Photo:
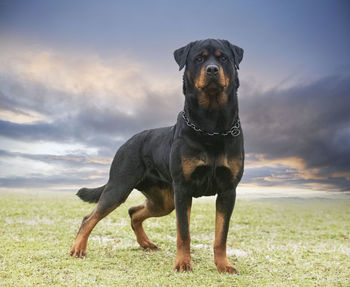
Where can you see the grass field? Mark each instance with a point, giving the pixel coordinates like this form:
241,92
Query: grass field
272,243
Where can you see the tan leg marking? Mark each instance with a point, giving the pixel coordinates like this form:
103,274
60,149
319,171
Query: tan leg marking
147,210
80,243
220,259
183,254
136,223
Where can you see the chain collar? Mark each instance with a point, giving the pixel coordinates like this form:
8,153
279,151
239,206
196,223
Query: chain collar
233,131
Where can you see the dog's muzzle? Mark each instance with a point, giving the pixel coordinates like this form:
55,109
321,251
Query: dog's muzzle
212,71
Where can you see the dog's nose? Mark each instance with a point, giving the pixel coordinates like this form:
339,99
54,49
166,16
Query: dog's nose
212,70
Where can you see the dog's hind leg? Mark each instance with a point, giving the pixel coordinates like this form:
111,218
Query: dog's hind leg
126,171
159,202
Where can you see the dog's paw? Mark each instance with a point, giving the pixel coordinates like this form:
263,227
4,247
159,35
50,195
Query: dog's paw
78,250
149,245
226,268
182,264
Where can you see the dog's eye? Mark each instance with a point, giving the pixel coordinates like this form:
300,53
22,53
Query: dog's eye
223,58
199,59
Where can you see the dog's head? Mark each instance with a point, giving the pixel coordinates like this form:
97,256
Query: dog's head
211,71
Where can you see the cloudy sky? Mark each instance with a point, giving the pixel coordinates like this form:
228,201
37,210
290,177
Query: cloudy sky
78,78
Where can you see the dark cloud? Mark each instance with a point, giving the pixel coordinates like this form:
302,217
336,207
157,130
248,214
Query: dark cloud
66,171
311,122
80,118
74,181
70,160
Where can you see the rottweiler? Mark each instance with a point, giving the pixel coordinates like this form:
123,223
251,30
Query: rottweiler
201,155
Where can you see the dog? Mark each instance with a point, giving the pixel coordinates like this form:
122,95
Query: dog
201,155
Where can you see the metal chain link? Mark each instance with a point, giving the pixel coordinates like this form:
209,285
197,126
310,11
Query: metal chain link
234,130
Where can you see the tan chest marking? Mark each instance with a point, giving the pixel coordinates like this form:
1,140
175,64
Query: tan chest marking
189,164
233,164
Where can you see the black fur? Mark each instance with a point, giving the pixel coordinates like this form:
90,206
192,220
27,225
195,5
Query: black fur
173,164
91,195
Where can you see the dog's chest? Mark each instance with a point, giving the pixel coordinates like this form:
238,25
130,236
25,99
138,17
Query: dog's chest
209,175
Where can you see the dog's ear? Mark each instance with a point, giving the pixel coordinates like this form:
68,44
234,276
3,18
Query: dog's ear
237,53
181,54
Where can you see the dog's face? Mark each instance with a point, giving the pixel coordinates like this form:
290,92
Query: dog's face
211,70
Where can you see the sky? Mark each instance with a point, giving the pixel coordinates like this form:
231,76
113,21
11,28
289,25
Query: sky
78,78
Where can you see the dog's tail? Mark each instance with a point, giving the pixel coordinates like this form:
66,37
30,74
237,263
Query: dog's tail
90,194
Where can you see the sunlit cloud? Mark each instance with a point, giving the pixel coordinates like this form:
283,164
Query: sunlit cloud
77,80
22,117
292,165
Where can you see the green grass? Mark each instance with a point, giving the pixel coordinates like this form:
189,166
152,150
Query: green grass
272,243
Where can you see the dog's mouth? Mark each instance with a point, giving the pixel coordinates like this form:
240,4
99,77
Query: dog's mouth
213,87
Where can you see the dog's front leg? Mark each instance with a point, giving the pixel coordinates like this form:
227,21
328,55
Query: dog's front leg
183,204
224,206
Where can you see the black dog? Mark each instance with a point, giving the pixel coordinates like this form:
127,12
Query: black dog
201,155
